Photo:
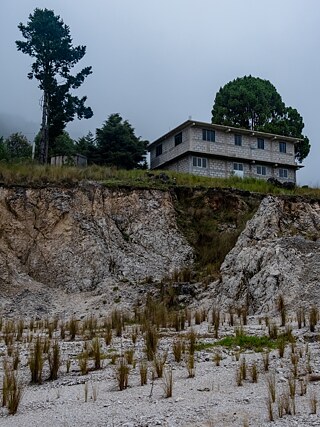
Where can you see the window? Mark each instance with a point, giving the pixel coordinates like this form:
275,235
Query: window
283,173
237,166
238,139
158,150
178,139
261,143
261,170
282,147
199,162
208,135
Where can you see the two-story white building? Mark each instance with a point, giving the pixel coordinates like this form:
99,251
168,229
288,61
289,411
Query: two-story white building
222,151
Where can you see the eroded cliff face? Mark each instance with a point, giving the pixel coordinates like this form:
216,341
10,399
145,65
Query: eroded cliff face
83,238
60,247
277,253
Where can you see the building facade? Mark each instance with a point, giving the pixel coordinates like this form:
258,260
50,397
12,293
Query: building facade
223,151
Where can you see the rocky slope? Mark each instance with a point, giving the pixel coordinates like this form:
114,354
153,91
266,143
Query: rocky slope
84,239
277,253
60,247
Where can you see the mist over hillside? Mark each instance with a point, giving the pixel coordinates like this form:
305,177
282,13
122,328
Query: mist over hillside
10,123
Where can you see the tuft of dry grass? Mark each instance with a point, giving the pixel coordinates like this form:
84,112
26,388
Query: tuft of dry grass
122,374
168,382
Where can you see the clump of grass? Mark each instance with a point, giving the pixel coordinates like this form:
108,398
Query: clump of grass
143,370
273,330
83,362
243,368
151,338
168,382
269,407
177,350
122,374
217,357
54,361
313,402
11,390
300,316
254,372
159,362
281,344
36,362
239,377
282,309
73,327
96,352
129,354
266,360
313,318
271,383
191,366
292,386
108,334
192,341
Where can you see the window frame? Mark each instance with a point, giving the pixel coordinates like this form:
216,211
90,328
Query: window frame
237,168
178,139
262,169
199,162
283,173
238,139
158,150
282,147
260,143
209,135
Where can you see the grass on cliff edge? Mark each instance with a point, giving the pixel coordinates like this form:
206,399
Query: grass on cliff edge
34,174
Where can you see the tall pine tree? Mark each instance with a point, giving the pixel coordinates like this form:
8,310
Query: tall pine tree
48,40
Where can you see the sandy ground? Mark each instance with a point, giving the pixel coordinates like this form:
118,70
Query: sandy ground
211,398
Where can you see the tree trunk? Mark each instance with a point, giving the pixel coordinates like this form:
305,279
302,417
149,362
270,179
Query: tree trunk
44,141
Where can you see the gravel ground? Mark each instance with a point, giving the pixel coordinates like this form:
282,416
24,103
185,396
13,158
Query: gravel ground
211,398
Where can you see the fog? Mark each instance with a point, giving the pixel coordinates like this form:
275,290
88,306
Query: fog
158,62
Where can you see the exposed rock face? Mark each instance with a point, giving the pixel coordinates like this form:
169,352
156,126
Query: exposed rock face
82,238
277,253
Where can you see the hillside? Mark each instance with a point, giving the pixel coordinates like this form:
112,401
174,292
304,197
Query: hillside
61,245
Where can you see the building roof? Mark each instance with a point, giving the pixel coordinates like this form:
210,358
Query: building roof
223,128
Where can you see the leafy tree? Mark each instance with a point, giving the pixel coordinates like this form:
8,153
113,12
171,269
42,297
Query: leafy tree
63,145
117,144
253,103
48,40
3,149
17,147
87,147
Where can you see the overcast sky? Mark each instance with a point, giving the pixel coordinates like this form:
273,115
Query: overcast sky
157,62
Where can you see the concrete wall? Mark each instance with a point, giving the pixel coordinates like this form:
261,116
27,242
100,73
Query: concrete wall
224,145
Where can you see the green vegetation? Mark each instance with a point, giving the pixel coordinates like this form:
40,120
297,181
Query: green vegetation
34,174
48,41
253,103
